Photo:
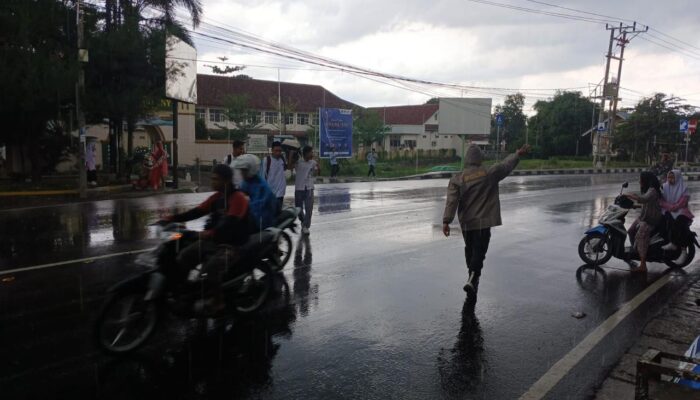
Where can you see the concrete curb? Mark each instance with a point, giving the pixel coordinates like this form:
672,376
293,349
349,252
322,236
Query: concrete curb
97,192
523,172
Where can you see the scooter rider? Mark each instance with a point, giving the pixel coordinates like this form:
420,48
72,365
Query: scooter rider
263,204
228,224
473,193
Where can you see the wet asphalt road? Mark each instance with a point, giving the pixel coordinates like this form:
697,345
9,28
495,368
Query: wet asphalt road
373,305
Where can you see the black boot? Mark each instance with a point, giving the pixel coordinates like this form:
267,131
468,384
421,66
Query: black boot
472,287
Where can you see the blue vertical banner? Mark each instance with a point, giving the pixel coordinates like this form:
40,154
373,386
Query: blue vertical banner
335,132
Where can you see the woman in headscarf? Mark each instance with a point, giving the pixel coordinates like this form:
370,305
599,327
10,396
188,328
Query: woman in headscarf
675,207
159,169
650,218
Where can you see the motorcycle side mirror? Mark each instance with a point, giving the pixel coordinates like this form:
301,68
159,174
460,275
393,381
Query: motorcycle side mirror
625,185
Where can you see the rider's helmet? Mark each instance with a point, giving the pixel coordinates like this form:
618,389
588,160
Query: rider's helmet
249,165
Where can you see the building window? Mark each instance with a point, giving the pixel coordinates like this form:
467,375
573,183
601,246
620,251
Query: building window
201,113
216,115
253,118
394,142
271,117
410,143
302,119
424,136
289,119
314,119
434,144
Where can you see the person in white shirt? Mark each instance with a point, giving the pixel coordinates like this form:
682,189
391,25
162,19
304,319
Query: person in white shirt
238,150
372,162
272,168
333,159
305,170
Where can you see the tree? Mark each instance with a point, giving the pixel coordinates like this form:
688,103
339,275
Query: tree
38,71
514,127
286,106
559,123
237,110
368,127
433,100
125,77
653,127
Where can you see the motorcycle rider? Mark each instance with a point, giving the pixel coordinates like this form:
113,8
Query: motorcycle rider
650,218
228,224
473,193
675,208
263,204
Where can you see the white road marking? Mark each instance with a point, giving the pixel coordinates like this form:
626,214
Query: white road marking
559,370
79,260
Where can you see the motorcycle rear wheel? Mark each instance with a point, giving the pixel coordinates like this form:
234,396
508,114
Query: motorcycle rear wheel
682,263
595,249
125,322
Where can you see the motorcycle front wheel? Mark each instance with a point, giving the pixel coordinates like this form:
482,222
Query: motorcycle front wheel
594,249
284,250
126,321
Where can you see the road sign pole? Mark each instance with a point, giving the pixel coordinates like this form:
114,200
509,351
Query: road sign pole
498,142
687,142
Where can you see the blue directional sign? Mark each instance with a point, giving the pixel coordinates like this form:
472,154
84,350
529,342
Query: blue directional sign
684,125
499,119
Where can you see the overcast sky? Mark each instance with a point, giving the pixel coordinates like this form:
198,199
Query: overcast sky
459,41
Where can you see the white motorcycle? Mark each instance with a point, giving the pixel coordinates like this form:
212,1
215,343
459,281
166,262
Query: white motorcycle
607,240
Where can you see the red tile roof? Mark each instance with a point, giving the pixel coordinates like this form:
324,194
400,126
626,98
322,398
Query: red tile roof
406,115
213,89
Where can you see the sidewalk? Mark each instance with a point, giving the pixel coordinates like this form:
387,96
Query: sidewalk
672,331
37,198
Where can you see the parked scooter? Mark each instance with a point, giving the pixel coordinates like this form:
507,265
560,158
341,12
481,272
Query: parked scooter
134,306
607,240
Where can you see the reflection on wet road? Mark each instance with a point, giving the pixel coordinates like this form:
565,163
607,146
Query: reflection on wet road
370,306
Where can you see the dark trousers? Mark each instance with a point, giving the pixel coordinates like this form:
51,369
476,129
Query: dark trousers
280,204
334,170
678,230
476,244
304,199
215,261
92,175
371,171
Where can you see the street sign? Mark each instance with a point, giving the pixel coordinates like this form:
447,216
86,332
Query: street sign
692,125
684,125
601,126
499,119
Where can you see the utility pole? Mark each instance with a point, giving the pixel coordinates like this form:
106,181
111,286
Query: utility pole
79,91
601,117
622,41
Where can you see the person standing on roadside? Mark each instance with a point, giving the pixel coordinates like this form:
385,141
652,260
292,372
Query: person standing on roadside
305,169
273,167
473,193
91,164
372,162
237,151
333,159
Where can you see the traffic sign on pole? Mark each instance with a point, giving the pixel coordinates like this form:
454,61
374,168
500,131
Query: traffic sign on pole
692,125
683,126
499,119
